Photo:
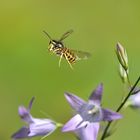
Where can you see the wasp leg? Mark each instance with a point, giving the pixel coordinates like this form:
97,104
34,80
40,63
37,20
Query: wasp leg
60,59
69,62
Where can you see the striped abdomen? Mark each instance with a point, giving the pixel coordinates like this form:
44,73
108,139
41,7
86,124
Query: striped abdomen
69,55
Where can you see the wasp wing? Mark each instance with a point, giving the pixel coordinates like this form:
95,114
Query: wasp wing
65,35
81,54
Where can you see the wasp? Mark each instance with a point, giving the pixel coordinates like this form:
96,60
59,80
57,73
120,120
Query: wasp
57,47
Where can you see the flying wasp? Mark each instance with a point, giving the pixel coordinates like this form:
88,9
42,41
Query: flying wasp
58,48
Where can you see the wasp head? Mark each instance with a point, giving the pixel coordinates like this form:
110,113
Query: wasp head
55,45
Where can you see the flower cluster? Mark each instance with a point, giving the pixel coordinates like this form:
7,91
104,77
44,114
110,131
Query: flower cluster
85,123
88,114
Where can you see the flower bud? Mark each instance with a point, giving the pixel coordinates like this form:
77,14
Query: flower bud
123,74
122,56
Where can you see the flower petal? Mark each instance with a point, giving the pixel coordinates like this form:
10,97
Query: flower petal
134,100
25,114
30,104
73,124
96,95
41,127
21,133
74,101
89,132
109,115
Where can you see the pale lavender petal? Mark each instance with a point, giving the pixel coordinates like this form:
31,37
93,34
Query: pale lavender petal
74,101
73,124
41,127
96,95
82,124
25,114
30,104
21,133
134,100
109,115
90,132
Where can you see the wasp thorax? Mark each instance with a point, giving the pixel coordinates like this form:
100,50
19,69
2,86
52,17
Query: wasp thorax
90,112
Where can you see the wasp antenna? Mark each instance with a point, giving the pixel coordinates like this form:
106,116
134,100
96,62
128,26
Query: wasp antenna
47,35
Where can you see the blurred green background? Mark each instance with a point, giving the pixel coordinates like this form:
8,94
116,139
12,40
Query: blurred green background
27,69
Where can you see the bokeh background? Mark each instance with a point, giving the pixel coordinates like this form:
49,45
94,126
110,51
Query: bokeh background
27,69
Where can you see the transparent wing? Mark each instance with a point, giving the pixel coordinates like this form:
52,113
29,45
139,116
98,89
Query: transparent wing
65,35
81,54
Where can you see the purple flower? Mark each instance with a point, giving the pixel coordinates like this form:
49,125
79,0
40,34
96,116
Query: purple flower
88,115
134,100
35,127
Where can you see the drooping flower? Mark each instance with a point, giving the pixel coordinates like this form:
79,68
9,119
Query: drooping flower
134,100
88,115
35,126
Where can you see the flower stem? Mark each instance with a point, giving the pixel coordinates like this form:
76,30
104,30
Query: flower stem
128,78
119,108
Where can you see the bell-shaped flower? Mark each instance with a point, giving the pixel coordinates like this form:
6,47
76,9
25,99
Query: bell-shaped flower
134,100
35,126
88,115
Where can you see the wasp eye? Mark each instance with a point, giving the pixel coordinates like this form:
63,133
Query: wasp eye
60,45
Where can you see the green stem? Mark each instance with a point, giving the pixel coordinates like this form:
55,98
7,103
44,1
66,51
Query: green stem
119,108
128,79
